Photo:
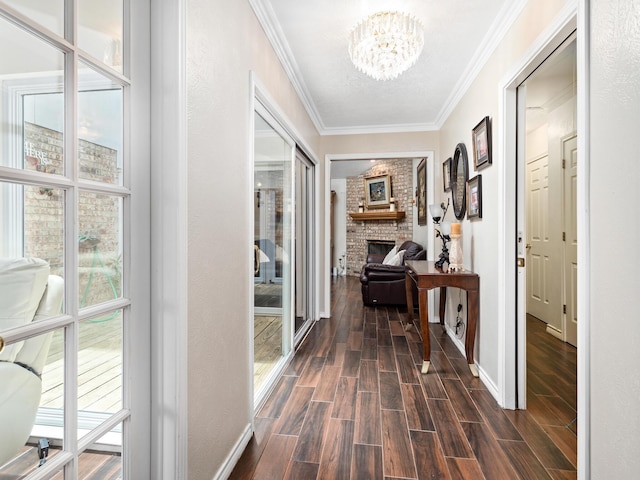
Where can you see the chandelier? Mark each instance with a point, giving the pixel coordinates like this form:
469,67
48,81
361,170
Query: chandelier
386,44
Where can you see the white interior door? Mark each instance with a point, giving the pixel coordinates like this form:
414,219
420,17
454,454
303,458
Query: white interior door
570,158
543,268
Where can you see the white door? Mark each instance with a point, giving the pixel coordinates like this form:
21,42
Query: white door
570,161
543,267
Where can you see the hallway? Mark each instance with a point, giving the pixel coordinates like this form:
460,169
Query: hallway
353,404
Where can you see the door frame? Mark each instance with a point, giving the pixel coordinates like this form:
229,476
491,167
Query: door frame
326,270
511,292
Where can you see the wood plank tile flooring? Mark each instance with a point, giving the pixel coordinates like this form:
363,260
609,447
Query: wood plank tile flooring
353,404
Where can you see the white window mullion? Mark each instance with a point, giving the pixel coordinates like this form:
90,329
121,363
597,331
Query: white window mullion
71,243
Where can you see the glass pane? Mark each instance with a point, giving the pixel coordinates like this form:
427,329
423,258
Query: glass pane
32,223
100,248
100,30
31,400
99,128
272,240
31,244
33,108
48,13
99,370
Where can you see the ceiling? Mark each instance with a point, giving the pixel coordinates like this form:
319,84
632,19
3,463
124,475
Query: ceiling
311,40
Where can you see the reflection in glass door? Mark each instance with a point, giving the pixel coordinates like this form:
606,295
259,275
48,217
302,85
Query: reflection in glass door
304,215
273,157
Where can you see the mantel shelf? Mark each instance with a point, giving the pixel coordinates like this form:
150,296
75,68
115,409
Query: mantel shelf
381,215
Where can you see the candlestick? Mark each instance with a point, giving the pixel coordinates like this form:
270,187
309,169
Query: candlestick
455,255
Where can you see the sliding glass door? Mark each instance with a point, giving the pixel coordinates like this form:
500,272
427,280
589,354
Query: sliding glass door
273,224
284,246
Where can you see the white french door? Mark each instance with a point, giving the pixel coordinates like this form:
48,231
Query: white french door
74,172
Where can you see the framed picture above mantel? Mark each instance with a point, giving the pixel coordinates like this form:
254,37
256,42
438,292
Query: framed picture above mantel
377,191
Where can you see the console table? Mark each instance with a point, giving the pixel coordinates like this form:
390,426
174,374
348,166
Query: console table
427,276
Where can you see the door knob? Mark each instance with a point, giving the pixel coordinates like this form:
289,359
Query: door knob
528,246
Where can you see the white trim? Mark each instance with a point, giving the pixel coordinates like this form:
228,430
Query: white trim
386,128
324,274
584,240
547,41
555,332
272,30
498,29
169,250
230,462
249,227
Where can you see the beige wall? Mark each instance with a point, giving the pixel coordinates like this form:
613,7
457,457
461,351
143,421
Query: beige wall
615,233
480,238
224,43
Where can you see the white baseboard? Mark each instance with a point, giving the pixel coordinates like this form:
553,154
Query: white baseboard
555,332
482,375
230,462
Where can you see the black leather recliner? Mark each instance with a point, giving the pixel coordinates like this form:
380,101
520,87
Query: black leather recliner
385,284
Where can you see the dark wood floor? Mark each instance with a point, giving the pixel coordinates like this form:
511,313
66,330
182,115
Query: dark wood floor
353,404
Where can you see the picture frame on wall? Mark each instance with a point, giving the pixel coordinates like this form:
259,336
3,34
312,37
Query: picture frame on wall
474,197
482,144
377,191
446,175
421,191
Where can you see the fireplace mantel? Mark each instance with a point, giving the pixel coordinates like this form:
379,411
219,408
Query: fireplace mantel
381,215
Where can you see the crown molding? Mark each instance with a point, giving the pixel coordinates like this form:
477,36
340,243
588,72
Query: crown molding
272,30
499,28
372,129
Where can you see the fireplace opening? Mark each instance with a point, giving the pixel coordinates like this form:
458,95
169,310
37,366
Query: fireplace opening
380,247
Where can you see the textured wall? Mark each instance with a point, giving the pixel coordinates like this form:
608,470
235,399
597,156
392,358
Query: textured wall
614,230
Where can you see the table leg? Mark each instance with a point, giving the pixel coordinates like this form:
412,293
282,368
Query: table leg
470,338
423,302
408,282
443,304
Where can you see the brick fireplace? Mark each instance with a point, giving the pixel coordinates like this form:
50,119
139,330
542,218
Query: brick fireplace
360,233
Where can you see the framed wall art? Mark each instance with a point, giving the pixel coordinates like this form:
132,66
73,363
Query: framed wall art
446,175
474,197
482,144
377,191
421,192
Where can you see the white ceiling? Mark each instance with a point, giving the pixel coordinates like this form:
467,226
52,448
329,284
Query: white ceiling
311,41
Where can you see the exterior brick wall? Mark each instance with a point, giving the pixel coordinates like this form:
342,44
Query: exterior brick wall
359,232
98,215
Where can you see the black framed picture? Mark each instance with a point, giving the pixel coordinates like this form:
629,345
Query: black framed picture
421,192
474,197
446,175
378,191
482,144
